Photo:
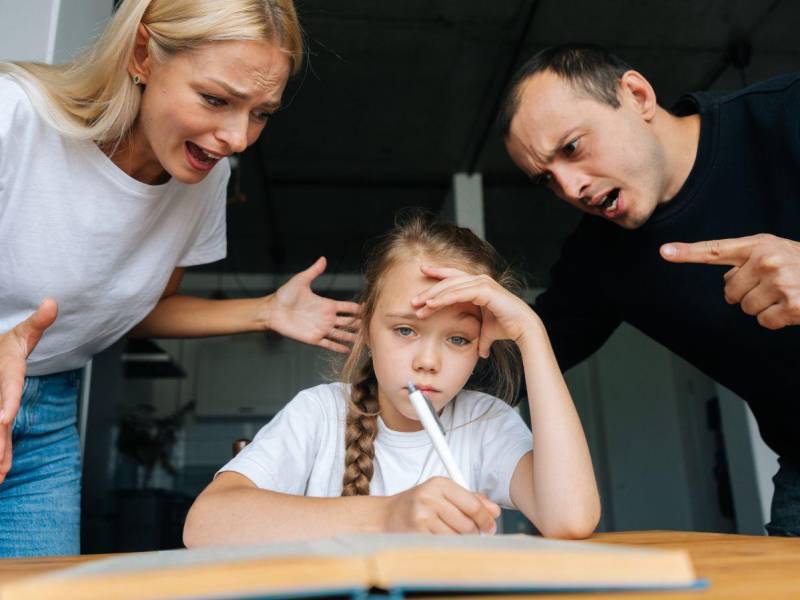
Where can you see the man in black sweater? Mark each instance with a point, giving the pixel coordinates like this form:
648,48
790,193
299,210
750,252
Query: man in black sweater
714,181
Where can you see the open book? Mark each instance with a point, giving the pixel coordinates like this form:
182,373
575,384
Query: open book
357,566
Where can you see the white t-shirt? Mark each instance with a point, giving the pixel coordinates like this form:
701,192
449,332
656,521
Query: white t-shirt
301,450
75,227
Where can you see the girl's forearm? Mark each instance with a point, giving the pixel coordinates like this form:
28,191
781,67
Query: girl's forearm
564,487
188,316
241,515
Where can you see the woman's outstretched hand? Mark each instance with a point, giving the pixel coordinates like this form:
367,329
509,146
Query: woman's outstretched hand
299,313
505,316
15,347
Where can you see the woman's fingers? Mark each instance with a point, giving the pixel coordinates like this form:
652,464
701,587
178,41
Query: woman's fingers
30,331
5,451
346,308
342,335
334,346
349,323
12,380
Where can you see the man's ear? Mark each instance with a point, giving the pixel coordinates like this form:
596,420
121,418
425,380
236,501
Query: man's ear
635,88
141,61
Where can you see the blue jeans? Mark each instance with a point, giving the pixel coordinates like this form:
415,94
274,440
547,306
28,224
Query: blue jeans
40,512
785,512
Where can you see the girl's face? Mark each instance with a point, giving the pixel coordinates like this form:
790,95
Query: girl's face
437,353
200,106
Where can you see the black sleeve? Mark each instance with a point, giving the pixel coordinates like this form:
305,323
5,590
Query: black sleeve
578,317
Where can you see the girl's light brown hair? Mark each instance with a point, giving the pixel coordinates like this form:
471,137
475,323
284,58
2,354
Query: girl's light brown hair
416,234
93,98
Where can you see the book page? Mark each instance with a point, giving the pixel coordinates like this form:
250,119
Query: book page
515,563
369,543
171,559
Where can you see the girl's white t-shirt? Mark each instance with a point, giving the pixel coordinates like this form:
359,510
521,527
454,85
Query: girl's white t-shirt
301,450
75,227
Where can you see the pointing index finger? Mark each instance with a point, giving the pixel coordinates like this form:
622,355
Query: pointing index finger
732,251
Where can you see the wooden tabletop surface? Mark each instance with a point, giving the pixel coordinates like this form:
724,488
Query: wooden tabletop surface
736,566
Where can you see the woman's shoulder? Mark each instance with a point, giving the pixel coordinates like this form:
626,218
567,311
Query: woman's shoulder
14,99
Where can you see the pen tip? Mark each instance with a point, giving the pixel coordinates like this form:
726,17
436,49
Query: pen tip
411,388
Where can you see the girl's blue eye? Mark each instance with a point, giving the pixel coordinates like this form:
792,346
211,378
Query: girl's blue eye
459,340
404,331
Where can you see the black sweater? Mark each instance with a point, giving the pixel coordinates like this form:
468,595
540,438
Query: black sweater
745,180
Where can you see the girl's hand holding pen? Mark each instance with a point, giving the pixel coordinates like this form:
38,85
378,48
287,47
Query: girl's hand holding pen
504,315
440,505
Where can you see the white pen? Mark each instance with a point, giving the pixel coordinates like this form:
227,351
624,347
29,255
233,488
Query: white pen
433,426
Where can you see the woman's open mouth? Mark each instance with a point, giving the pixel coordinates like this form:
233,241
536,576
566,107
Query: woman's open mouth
201,159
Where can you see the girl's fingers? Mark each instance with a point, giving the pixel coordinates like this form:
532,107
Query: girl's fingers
485,346
442,272
437,288
439,527
436,301
470,507
455,519
474,294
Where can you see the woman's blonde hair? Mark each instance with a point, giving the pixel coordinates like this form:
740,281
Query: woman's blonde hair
416,234
92,96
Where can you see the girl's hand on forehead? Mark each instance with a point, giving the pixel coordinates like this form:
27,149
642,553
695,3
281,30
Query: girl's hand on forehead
504,315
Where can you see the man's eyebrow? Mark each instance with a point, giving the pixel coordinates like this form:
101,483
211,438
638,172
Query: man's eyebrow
242,95
550,156
560,144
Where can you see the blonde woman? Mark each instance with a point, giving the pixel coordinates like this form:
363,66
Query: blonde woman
112,181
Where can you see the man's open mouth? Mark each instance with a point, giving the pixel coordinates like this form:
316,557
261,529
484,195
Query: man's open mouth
609,203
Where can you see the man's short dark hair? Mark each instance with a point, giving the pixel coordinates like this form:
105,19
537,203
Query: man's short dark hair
589,68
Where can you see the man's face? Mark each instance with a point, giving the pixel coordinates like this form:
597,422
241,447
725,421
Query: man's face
605,161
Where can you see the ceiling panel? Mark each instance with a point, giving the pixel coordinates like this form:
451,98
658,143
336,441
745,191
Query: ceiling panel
395,93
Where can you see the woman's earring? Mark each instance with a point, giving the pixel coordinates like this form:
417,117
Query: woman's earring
136,80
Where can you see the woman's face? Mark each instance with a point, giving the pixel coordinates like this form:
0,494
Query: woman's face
200,106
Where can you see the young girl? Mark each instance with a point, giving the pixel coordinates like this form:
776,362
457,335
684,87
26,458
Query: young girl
353,457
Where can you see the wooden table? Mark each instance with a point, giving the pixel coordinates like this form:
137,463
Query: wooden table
751,567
